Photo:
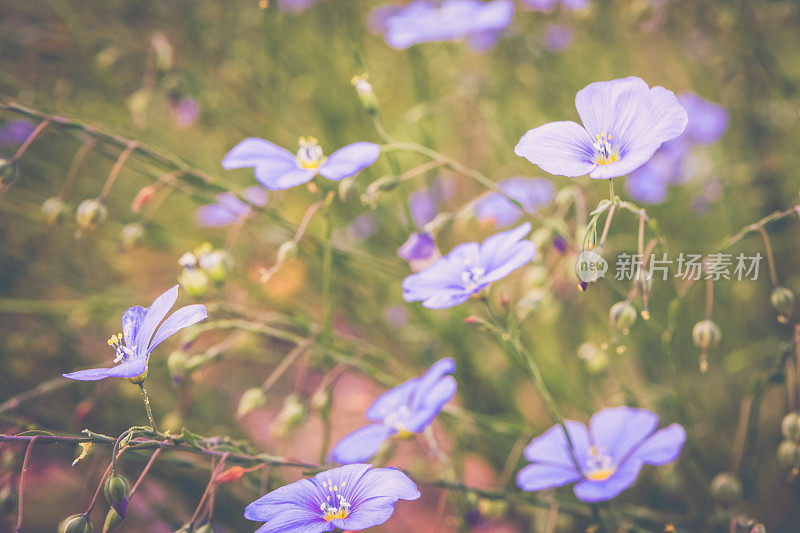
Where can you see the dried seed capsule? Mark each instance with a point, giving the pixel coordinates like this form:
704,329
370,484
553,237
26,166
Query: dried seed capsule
622,316
726,488
91,213
706,335
790,427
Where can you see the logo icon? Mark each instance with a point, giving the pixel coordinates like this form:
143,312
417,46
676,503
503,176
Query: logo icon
590,266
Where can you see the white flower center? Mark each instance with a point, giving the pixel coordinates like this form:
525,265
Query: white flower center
471,276
123,352
310,154
599,466
335,506
605,152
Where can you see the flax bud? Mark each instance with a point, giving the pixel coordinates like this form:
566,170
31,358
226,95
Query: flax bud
348,190
291,416
116,491
706,335
726,488
790,427
789,454
251,399
54,211
783,301
132,235
113,520
77,523
91,213
366,94
622,316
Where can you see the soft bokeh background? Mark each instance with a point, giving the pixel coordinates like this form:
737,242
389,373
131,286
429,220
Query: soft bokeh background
192,78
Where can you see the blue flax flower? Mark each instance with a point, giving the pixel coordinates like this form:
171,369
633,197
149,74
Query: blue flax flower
624,122
350,498
399,412
420,248
707,123
229,208
609,454
469,268
422,21
277,168
140,337
532,193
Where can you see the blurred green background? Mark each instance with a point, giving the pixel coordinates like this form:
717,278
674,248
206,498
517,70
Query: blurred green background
126,66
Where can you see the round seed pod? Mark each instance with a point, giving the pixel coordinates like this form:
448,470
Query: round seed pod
790,427
91,213
54,211
706,335
77,523
622,315
789,454
783,301
726,488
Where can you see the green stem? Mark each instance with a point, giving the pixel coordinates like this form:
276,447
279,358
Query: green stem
611,195
146,400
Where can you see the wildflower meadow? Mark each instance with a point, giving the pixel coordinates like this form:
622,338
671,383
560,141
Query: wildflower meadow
480,266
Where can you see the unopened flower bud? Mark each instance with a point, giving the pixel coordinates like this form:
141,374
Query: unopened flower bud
91,213
365,93
251,399
77,523
348,190
783,301
116,491
293,413
132,235
113,520
234,473
215,264
54,211
790,427
142,198
789,454
176,364
321,400
706,335
287,250
726,488
385,183
194,281
622,315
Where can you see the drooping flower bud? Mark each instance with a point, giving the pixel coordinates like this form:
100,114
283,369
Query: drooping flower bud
208,527
287,250
783,301
251,399
142,198
132,235
54,211
790,427
290,417
706,335
77,523
348,190
216,264
8,172
91,213
113,520
622,316
116,491
726,488
789,454
366,94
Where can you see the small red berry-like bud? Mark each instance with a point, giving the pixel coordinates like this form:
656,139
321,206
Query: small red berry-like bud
472,319
234,473
142,198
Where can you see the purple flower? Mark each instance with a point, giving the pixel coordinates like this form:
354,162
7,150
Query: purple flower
140,337
295,6
421,21
469,268
609,454
351,497
624,123
406,409
557,37
549,5
418,247
229,208
15,131
185,111
277,168
707,120
532,193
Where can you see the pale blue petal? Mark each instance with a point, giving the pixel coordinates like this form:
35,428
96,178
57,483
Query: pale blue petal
254,152
214,216
182,318
131,320
361,445
647,185
662,447
599,491
575,5
367,514
618,430
349,160
540,5
384,483
256,195
428,404
153,317
505,252
551,447
91,374
562,148
540,476
423,207
418,247
391,400
707,120
283,175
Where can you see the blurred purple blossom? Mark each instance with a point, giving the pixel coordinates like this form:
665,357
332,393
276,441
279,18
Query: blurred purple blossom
277,168
15,131
609,455
624,122
549,5
295,6
406,409
558,37
469,268
185,111
420,21
669,166
229,208
140,337
532,193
